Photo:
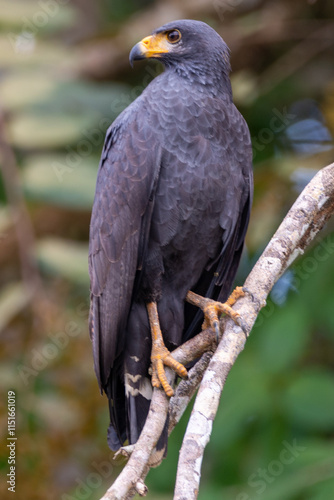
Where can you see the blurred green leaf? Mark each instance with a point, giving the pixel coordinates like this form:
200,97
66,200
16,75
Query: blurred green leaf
58,413
309,400
287,476
21,88
57,114
36,17
284,338
64,258
39,92
314,273
118,10
62,180
104,100
43,131
240,406
9,379
321,491
293,485
13,298
19,50
5,221
316,451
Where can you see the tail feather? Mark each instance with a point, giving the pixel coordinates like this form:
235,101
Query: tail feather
116,398
138,390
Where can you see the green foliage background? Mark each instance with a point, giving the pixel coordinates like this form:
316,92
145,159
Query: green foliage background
64,77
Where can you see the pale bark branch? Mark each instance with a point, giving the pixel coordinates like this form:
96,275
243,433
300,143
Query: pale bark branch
308,215
303,222
143,456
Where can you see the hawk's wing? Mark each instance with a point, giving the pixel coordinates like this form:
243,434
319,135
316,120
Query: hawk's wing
120,223
217,278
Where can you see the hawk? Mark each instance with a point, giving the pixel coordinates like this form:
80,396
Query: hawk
172,204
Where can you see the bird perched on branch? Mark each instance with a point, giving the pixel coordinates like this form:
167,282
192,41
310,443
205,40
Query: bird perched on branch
171,209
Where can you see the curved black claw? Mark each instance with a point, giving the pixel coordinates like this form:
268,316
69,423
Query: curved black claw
240,322
217,330
254,297
247,290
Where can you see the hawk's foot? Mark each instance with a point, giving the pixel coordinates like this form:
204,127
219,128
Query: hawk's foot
160,355
213,309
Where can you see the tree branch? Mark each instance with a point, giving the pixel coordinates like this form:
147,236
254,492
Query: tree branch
303,222
308,215
129,482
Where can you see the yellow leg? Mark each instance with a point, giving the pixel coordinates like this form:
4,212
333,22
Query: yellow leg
160,355
212,309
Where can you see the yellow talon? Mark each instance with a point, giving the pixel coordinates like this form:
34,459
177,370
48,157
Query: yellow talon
212,309
160,355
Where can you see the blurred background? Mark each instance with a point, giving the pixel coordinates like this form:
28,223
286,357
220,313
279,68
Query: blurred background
64,76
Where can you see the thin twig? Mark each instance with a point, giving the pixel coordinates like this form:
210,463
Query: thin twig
186,390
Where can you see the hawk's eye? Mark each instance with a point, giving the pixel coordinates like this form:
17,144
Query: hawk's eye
173,36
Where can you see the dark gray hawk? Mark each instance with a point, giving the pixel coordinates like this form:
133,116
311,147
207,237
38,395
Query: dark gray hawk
172,204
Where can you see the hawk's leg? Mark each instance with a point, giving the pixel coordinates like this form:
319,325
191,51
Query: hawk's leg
212,309
160,355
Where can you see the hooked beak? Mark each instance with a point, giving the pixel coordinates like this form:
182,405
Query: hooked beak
151,46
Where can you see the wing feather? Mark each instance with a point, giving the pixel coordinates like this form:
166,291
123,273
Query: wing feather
217,278
126,180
